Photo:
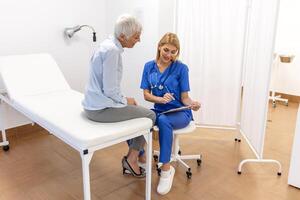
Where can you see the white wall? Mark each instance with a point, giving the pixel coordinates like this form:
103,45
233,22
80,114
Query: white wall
288,42
166,16
35,26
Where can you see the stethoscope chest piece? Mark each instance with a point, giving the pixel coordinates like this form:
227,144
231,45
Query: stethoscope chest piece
161,81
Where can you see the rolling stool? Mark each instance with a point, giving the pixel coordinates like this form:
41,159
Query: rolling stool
176,155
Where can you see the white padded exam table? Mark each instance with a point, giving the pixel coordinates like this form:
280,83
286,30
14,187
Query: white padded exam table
36,88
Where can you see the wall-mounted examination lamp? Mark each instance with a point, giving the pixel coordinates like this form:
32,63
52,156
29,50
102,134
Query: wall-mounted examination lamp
69,32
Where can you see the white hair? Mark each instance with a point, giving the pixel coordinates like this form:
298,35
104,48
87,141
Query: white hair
127,25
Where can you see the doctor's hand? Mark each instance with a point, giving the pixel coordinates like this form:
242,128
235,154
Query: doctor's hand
166,98
195,105
131,101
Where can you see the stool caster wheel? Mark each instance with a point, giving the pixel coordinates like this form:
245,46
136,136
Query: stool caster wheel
279,173
239,172
237,140
189,174
199,161
155,157
6,147
179,152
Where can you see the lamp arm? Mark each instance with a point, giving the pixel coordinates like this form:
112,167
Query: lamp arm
85,25
94,32
69,32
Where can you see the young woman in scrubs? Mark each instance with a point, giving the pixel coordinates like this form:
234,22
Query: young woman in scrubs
165,82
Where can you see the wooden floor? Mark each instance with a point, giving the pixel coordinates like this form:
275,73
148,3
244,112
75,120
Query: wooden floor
39,166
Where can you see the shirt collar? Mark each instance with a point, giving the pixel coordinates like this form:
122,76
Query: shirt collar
117,43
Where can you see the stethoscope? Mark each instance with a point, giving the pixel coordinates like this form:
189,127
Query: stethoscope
153,75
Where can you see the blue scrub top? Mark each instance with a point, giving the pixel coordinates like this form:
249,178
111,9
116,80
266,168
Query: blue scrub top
175,80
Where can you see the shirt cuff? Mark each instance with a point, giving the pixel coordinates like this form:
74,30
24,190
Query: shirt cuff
124,100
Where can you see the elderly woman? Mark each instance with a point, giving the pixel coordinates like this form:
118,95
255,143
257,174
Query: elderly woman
104,100
165,82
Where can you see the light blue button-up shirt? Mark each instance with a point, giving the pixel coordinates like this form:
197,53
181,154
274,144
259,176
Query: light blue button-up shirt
104,85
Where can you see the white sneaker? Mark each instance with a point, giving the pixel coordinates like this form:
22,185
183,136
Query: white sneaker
165,181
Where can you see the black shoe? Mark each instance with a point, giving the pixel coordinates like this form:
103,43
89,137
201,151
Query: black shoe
127,169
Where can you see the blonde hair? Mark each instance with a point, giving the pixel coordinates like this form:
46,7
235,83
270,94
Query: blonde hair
168,38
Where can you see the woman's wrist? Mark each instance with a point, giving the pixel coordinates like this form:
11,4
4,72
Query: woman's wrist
154,99
159,100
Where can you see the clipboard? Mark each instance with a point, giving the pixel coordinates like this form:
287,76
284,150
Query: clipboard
176,109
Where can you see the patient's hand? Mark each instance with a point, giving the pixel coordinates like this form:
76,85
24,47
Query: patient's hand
131,101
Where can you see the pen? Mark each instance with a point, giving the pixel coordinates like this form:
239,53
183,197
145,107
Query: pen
170,92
